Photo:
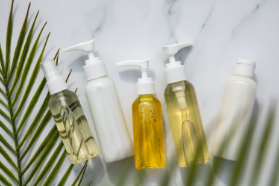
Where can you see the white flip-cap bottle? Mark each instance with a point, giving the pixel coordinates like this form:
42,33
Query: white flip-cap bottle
109,121
236,111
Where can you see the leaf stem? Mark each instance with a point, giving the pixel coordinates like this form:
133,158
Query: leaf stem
14,132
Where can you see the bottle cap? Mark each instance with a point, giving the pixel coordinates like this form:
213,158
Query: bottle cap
145,85
174,72
55,82
245,67
94,67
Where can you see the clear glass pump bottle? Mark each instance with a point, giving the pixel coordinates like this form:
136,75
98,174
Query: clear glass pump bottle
69,117
147,122
183,112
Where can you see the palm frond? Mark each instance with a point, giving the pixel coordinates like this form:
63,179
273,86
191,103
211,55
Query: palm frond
14,76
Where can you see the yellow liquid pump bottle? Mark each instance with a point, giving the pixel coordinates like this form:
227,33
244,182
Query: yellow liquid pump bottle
183,111
147,121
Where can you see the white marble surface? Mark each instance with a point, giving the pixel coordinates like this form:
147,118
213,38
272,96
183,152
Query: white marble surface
221,31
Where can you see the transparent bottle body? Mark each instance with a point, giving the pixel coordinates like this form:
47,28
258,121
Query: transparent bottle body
109,121
148,132
186,124
234,117
72,126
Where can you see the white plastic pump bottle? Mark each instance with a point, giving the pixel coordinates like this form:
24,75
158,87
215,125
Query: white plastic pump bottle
110,125
236,111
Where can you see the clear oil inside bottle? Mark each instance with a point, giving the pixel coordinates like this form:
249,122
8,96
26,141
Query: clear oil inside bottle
186,124
148,132
73,126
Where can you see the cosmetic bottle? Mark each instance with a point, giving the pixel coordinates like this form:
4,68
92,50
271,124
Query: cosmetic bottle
236,111
183,112
147,121
68,116
109,121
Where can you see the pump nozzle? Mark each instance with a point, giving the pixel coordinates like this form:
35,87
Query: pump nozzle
171,50
87,47
94,67
145,85
143,64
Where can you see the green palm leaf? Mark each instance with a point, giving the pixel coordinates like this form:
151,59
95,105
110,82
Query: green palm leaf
14,77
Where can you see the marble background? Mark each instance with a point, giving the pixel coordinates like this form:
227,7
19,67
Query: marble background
220,30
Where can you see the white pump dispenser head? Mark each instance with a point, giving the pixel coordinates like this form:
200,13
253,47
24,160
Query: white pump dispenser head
175,72
94,67
145,85
55,82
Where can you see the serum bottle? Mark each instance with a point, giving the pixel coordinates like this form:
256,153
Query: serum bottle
183,111
69,117
147,121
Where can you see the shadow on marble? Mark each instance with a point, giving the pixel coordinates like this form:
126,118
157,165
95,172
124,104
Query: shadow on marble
200,173
119,171
132,75
77,63
94,172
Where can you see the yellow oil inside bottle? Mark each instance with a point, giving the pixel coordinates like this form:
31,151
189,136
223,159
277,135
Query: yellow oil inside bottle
186,125
148,132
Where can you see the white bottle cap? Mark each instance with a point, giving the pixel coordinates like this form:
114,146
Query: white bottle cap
94,67
245,67
55,82
145,85
174,72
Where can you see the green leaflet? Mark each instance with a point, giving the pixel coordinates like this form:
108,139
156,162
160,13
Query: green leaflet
40,160
80,181
32,105
49,163
7,171
49,146
23,56
9,40
7,157
66,175
52,132
28,64
55,169
1,60
2,139
31,81
19,43
6,129
82,170
4,180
